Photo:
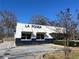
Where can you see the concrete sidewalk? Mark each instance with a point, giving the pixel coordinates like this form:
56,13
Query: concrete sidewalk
7,45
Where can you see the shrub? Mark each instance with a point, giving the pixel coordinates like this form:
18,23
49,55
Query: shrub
63,42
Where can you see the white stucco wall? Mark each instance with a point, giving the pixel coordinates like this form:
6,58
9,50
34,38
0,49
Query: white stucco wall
32,28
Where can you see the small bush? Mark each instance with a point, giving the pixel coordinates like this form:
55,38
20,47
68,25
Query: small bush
63,42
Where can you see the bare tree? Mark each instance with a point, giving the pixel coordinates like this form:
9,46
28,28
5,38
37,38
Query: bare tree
38,19
1,29
78,23
65,20
54,23
8,21
78,15
1,32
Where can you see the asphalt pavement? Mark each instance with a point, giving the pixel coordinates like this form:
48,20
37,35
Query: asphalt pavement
25,52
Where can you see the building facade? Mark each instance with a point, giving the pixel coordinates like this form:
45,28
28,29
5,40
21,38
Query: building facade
35,34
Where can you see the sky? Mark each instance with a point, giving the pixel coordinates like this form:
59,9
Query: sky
25,9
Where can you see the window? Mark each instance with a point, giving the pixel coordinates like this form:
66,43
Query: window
28,35
25,35
40,36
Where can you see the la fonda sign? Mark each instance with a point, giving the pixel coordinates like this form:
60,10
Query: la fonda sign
33,26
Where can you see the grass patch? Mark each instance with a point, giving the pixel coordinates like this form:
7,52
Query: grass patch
74,54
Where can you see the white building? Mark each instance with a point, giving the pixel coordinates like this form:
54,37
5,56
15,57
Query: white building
31,33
